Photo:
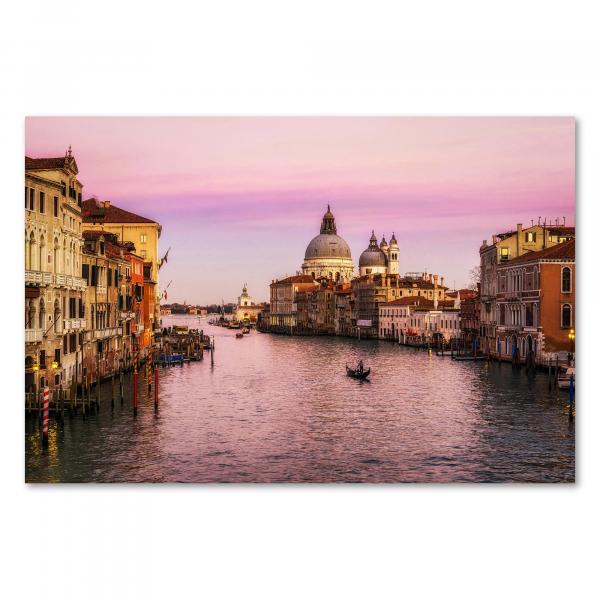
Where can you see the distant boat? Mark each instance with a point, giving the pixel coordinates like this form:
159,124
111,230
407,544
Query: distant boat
245,330
239,335
357,373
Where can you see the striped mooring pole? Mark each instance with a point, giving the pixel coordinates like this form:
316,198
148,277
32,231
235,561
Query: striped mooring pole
45,417
156,387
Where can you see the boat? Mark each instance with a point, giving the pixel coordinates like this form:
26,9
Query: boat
357,373
245,330
470,358
239,335
564,378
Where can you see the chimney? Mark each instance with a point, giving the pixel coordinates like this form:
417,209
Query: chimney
106,203
442,282
519,234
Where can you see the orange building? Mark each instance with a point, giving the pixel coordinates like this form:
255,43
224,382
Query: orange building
536,303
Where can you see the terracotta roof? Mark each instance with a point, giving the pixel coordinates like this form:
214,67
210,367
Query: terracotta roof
95,211
564,251
92,234
45,163
297,279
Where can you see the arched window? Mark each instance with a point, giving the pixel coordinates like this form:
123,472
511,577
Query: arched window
56,315
55,256
565,316
43,259
566,280
42,319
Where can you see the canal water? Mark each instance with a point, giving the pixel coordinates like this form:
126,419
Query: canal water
281,409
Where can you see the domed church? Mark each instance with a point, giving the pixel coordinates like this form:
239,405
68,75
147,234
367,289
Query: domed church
382,258
328,255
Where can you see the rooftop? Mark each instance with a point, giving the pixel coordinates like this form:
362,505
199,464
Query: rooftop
96,211
46,164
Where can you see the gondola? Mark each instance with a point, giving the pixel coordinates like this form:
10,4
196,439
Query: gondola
239,335
357,374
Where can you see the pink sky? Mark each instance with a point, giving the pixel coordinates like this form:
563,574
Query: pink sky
240,198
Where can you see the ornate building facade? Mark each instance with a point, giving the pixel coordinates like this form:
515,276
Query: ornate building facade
54,288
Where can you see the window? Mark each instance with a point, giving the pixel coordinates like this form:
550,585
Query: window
26,203
143,238
566,280
530,237
42,202
503,254
529,315
85,273
109,278
42,359
31,199
57,355
101,247
94,281
63,188
56,206
565,316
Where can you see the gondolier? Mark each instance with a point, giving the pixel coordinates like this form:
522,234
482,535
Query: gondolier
359,373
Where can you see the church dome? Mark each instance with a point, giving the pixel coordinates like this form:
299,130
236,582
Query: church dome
328,244
373,256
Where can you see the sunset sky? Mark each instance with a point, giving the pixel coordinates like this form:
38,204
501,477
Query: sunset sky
240,198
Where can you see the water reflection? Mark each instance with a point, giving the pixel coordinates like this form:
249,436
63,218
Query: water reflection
276,408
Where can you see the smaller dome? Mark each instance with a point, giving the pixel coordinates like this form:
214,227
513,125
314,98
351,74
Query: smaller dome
393,241
373,256
384,244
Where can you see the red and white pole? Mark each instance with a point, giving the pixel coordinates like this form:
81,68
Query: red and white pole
45,417
155,387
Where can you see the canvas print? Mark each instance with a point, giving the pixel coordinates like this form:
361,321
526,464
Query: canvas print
300,300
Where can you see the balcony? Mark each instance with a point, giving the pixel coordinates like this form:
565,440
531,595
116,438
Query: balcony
38,278
33,336
74,324
140,328
127,315
101,334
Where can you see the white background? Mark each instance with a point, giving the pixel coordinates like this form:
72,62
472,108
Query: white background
254,57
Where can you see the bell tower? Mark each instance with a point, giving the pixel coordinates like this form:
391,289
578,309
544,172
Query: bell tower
393,260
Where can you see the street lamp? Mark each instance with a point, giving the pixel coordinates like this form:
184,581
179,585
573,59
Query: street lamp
572,338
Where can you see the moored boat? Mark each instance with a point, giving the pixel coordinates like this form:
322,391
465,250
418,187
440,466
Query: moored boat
564,378
239,335
245,330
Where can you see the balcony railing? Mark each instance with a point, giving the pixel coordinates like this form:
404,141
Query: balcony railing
74,324
33,335
38,278
70,281
101,334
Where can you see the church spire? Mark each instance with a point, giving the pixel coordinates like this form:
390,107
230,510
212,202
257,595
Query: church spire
328,224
